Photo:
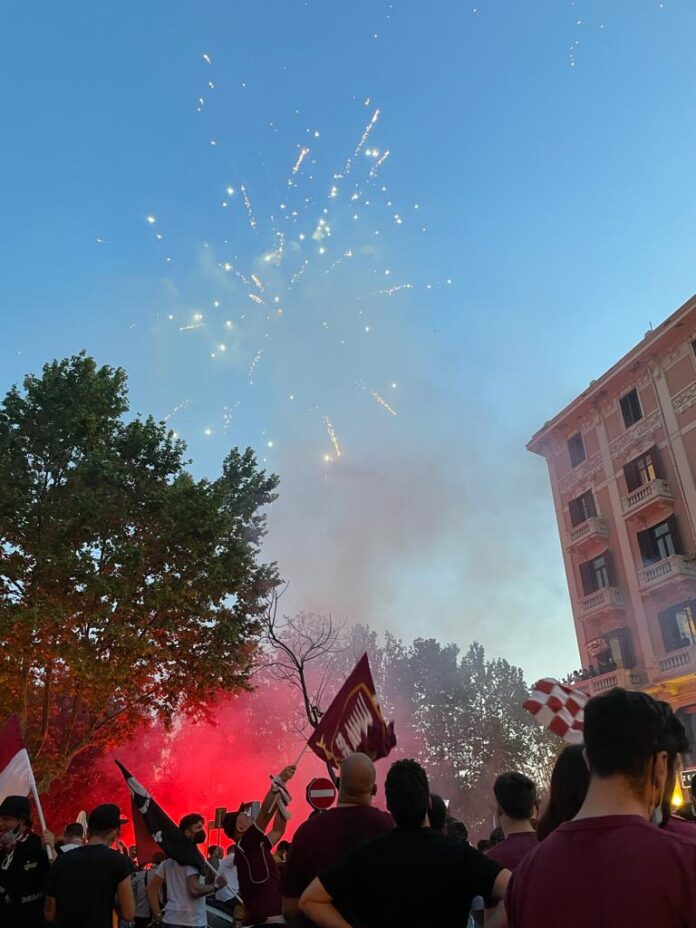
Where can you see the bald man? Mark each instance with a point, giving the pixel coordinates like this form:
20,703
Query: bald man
326,838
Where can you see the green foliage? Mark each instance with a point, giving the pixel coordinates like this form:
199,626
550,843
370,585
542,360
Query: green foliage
129,590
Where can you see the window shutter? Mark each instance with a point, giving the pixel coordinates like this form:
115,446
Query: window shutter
674,532
631,475
588,578
647,547
574,509
611,571
590,503
657,462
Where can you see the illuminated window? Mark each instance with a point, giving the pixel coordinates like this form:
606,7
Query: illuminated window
678,626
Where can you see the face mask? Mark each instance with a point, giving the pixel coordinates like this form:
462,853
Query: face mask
656,816
199,837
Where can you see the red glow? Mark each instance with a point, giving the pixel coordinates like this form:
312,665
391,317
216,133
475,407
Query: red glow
197,767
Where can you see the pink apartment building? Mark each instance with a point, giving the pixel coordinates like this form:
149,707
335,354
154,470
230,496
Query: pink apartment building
622,463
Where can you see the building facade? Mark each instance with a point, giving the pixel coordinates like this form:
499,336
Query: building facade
622,463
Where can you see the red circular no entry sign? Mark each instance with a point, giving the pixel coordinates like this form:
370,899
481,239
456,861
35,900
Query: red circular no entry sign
321,793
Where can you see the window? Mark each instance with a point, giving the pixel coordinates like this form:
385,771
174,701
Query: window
660,541
582,508
693,346
642,470
576,450
597,574
630,408
678,626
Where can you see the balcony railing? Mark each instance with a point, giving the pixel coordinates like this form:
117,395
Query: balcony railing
676,567
628,679
593,528
677,663
654,492
602,601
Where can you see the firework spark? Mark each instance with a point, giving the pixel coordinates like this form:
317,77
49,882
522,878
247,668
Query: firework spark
207,58
177,409
300,158
377,165
382,402
254,363
248,206
332,435
190,328
255,297
257,282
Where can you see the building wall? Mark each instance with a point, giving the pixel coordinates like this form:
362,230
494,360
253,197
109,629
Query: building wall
666,386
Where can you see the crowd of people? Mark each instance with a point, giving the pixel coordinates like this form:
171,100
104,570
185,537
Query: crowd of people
605,849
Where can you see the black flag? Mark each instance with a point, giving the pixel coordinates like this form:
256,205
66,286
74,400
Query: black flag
162,829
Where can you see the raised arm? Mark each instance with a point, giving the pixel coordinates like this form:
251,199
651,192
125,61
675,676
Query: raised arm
268,806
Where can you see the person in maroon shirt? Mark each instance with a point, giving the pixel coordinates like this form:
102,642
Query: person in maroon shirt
323,840
516,804
610,865
259,876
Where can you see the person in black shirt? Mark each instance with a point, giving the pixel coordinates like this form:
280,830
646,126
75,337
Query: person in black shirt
412,871
85,886
23,865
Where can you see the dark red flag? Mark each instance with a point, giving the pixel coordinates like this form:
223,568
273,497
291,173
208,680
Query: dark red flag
353,721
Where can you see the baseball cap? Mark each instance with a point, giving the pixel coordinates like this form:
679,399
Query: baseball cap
105,817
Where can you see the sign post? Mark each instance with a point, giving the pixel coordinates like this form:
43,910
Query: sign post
321,793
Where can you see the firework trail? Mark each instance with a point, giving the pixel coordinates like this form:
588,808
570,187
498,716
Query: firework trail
377,165
382,402
254,363
248,206
257,282
332,435
300,158
177,409
255,297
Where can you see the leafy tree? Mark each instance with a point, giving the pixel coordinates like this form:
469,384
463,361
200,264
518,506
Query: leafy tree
129,591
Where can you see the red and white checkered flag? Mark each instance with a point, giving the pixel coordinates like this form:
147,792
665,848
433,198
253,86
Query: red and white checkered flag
558,707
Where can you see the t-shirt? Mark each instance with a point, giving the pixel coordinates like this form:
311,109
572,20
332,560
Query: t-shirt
259,877
142,903
228,869
323,840
22,883
513,849
410,873
181,908
84,884
680,826
614,870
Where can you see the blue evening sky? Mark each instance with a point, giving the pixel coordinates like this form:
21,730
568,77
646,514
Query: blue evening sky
537,199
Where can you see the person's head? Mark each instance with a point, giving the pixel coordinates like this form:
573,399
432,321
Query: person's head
627,739
483,845
569,782
193,826
496,836
215,852
74,833
515,797
234,824
677,744
104,824
357,783
283,850
437,813
408,793
158,857
15,818
457,830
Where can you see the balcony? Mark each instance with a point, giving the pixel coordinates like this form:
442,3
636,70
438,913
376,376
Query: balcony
653,495
594,529
676,664
674,568
628,679
609,599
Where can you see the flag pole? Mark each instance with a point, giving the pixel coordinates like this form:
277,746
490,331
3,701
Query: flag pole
216,875
39,809
301,754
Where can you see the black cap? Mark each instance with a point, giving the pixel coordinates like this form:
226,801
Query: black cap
105,817
16,807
